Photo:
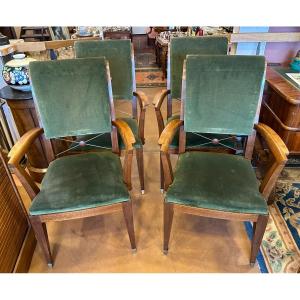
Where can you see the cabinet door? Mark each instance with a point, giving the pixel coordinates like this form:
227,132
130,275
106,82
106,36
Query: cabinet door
13,220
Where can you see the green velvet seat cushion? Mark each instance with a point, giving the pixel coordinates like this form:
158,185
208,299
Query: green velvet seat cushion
79,182
118,53
196,141
216,181
105,139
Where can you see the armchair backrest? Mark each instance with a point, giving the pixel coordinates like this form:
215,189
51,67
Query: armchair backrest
181,47
72,97
222,93
121,63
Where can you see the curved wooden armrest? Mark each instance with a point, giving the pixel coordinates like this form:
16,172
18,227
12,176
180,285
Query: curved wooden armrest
129,140
143,102
159,98
125,132
279,151
23,144
142,98
17,153
168,133
275,143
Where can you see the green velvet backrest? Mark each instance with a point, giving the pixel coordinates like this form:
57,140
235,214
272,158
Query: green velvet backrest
72,96
181,47
118,53
222,93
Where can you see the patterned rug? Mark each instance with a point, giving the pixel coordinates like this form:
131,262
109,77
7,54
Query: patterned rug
149,77
280,250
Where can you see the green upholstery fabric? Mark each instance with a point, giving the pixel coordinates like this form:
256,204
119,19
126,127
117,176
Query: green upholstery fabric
72,96
222,93
216,181
196,141
118,53
181,47
105,139
79,182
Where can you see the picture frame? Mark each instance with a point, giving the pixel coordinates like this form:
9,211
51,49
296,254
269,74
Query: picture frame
59,33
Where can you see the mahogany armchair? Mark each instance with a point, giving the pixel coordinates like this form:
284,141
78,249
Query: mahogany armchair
179,48
74,97
224,100
120,56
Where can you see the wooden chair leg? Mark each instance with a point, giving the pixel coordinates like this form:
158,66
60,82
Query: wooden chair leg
140,164
162,180
128,216
258,232
168,218
40,231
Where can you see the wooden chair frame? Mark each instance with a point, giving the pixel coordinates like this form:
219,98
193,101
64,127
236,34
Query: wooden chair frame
39,221
139,99
157,102
278,149
143,103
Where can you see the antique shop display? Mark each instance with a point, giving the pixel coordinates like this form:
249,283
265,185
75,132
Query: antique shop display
3,40
59,33
15,72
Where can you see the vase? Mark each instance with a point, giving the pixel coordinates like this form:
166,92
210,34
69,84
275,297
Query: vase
15,72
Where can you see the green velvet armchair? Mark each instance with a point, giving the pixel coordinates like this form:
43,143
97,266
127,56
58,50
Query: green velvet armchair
119,54
221,95
73,97
178,50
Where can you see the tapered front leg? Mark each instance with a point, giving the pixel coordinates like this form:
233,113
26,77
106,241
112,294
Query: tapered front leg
162,181
40,231
140,164
128,215
168,218
258,232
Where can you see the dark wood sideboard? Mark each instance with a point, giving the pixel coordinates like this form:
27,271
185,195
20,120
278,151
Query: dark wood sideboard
281,109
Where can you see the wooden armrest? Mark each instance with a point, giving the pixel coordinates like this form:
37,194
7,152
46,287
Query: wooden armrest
275,143
126,133
142,98
23,144
279,151
168,133
159,98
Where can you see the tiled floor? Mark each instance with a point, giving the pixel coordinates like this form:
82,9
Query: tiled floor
100,244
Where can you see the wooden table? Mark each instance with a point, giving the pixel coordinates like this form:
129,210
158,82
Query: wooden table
23,111
281,108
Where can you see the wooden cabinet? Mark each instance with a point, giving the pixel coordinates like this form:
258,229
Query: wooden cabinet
23,110
281,109
17,242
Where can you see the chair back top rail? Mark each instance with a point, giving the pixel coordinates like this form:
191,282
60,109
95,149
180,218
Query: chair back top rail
73,96
120,57
181,47
221,93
